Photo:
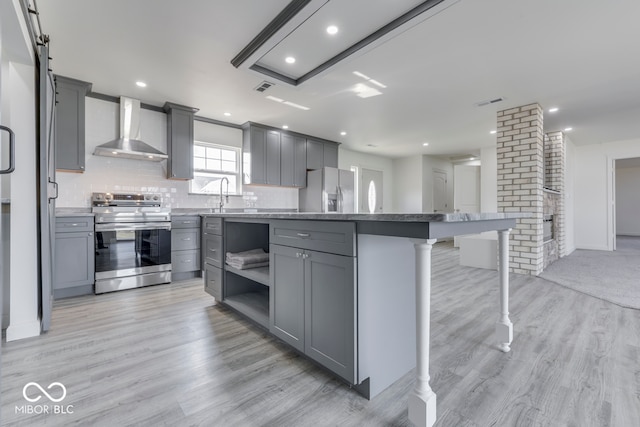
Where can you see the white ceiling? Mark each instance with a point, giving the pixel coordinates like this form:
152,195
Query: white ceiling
581,56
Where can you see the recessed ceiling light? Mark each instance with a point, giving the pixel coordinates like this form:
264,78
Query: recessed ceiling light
425,144
332,29
151,157
493,132
553,110
290,59
227,114
141,84
285,127
343,133
568,129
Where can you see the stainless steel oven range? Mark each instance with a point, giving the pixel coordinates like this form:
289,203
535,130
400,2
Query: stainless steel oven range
132,241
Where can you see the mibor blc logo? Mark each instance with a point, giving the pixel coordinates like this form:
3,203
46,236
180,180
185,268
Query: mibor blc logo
34,393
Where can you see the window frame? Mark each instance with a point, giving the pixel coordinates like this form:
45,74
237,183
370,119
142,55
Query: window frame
237,174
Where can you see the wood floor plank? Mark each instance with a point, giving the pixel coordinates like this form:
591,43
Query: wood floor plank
168,355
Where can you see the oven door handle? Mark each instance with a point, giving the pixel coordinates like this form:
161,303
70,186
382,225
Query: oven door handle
133,226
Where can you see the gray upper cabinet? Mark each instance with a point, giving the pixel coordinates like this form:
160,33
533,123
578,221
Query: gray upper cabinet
321,154
330,154
254,147
281,157
70,123
179,140
315,154
273,157
293,161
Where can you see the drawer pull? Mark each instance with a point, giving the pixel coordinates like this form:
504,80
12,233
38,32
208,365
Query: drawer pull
213,250
187,222
186,239
303,234
186,261
74,225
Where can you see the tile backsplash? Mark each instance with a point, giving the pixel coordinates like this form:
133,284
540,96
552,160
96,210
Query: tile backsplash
108,174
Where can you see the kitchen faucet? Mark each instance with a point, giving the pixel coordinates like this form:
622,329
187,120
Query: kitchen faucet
227,196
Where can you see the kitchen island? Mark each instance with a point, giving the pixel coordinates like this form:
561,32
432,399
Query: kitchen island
352,291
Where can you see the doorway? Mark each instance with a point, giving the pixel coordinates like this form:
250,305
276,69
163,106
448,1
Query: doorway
626,200
440,191
371,192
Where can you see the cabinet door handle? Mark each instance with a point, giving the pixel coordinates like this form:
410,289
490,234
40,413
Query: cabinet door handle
303,234
305,256
90,234
298,254
213,250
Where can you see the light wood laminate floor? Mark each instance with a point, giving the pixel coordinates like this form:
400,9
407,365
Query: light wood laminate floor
168,355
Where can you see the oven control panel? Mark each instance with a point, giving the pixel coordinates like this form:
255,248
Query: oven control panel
126,199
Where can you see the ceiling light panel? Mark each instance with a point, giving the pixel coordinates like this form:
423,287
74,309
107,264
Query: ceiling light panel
290,104
304,41
364,91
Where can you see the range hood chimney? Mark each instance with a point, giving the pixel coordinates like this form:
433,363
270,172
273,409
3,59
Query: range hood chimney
129,145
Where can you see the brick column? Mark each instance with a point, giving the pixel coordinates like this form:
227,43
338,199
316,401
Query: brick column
520,182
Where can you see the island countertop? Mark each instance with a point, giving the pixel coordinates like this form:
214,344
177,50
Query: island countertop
411,225
382,217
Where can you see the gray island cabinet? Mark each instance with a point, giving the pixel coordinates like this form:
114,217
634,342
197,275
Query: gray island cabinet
353,291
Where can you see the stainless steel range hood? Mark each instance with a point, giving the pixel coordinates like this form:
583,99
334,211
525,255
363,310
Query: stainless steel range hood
129,145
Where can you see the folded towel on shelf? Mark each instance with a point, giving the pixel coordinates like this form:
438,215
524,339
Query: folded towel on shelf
248,257
241,266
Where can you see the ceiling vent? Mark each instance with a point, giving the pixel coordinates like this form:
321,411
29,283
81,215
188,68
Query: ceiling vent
489,101
263,86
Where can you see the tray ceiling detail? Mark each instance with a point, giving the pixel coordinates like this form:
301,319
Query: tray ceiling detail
309,37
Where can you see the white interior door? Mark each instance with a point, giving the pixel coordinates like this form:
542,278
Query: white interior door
440,191
371,191
466,188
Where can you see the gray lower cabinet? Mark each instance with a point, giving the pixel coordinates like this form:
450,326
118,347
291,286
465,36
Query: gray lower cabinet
286,297
185,247
74,268
212,256
70,123
213,281
313,306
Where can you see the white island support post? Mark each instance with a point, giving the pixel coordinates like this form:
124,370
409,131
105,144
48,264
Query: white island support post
504,327
422,400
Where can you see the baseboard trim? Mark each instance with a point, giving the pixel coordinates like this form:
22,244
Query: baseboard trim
23,330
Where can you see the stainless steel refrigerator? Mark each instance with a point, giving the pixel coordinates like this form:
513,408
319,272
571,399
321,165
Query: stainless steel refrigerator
328,190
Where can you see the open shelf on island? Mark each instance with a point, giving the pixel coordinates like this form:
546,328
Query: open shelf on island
260,274
254,305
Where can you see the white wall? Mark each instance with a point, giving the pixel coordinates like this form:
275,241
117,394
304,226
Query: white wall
594,191
489,179
348,158
569,196
108,174
23,273
429,165
407,184
628,201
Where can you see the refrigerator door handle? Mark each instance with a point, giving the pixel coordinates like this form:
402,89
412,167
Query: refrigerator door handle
12,149
55,184
340,200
